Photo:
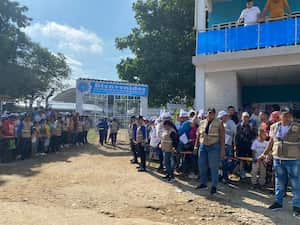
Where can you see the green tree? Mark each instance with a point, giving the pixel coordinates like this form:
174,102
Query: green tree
163,44
26,69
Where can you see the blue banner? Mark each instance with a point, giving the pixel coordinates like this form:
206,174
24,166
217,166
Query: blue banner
117,89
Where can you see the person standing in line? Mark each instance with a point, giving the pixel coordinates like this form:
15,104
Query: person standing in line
80,127
168,146
86,129
230,132
166,116
131,127
114,128
102,129
233,115
285,146
25,128
243,141
107,127
57,133
35,139
140,138
210,145
65,132
254,120
154,139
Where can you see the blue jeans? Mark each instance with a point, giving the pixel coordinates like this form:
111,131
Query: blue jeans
169,163
225,162
285,169
161,157
209,157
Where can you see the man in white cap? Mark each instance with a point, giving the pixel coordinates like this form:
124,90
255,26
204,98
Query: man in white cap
230,131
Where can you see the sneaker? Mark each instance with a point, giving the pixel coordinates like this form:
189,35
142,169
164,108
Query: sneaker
213,190
171,180
133,161
192,176
296,212
275,206
142,170
166,177
224,181
201,187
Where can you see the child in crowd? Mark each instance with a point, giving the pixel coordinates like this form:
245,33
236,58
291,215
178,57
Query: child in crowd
258,167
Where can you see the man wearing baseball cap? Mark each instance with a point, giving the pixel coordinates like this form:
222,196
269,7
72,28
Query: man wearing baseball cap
210,145
285,147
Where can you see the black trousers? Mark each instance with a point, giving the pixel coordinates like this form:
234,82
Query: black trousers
101,137
113,138
85,134
142,153
133,150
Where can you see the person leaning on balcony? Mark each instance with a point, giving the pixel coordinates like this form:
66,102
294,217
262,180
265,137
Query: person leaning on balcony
276,8
250,14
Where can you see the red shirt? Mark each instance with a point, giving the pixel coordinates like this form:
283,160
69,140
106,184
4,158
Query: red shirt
9,128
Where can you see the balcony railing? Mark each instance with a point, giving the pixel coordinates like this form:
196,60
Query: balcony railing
283,32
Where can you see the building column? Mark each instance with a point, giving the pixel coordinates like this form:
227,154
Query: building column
200,14
200,89
143,106
79,100
200,24
222,90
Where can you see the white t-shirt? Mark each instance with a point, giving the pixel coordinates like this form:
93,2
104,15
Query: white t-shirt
259,147
250,16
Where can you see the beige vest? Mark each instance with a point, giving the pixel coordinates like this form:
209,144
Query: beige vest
80,126
213,136
289,147
166,140
65,126
57,131
139,135
26,131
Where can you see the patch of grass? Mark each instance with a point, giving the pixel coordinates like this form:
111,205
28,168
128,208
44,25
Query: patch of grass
92,136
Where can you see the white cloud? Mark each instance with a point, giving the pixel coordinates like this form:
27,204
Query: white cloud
66,37
73,62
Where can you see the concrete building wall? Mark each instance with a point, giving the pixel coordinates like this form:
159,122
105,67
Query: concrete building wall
222,90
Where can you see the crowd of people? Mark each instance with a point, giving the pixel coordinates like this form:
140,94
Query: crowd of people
26,135
263,147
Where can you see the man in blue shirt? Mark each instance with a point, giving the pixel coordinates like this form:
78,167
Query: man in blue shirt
185,128
102,129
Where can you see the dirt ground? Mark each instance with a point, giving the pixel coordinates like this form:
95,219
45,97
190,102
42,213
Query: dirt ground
93,185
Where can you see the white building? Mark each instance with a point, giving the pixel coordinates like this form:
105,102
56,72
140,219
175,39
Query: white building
238,65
